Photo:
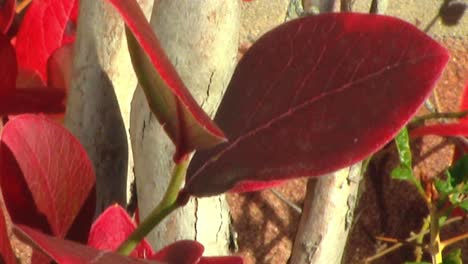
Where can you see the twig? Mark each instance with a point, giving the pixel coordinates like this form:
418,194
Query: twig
439,115
286,201
412,238
395,240
453,240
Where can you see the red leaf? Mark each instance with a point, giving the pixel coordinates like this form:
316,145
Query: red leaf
8,66
221,260
251,186
33,100
28,78
54,165
111,229
172,253
82,225
32,97
443,130
6,253
38,257
59,68
184,121
47,25
17,196
67,252
317,94
7,13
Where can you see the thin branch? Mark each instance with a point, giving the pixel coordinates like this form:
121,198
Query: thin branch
453,240
438,115
410,239
286,201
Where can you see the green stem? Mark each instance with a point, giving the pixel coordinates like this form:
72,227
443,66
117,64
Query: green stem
167,205
418,252
434,244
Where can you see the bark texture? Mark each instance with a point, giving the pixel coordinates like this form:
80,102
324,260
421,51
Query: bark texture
99,102
201,40
327,217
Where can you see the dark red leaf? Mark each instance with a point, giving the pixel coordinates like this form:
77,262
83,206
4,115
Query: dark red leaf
221,260
33,100
112,228
55,167
31,96
17,196
67,252
192,252
184,121
7,13
8,66
443,130
38,257
317,94
82,225
6,253
47,25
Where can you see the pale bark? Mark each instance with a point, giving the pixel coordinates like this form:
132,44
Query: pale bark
320,6
102,86
201,39
327,217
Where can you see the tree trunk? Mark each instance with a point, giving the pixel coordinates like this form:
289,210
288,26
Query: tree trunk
99,102
327,217
201,39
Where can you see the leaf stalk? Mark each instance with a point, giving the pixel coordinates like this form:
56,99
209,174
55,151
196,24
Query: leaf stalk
167,205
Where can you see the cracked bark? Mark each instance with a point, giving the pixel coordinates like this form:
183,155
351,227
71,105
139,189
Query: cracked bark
98,110
327,217
201,39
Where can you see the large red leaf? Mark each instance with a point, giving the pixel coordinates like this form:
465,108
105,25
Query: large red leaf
112,228
315,95
184,121
8,66
55,167
47,25
221,260
6,253
67,252
7,13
